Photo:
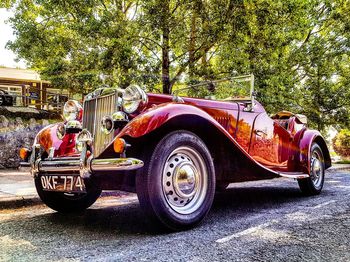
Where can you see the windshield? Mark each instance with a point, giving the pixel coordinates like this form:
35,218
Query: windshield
233,88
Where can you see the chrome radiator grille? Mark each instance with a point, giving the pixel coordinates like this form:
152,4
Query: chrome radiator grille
94,110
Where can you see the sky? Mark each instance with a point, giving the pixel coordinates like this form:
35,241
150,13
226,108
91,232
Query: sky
7,57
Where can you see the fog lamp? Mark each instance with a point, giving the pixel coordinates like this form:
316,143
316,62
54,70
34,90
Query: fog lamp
61,131
120,119
83,137
107,125
120,116
73,126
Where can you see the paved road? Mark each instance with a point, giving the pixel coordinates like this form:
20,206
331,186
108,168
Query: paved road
257,221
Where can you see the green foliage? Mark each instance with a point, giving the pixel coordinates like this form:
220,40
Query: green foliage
298,50
341,143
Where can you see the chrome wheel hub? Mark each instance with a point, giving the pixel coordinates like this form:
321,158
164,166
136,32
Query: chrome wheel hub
317,171
184,180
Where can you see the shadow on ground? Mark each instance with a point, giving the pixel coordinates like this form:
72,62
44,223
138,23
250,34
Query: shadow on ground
127,218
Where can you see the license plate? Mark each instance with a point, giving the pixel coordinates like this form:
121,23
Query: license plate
62,183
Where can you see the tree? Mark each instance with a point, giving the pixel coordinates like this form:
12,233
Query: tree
72,42
341,143
323,67
298,50
183,32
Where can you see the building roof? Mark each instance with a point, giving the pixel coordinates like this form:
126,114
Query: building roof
19,75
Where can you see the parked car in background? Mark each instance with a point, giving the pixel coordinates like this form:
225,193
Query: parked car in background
5,98
173,151
56,101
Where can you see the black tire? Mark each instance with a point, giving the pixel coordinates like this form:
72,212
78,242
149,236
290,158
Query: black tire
176,187
1,100
67,203
313,185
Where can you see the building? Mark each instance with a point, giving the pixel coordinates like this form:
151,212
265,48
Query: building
30,90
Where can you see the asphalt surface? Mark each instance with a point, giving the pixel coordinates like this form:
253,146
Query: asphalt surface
255,221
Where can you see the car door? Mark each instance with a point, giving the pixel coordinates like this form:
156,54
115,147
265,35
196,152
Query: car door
270,143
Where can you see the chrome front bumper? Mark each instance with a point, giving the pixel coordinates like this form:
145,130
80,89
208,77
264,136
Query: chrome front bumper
85,166
93,165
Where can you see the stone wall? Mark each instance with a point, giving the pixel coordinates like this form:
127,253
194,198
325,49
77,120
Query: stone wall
15,134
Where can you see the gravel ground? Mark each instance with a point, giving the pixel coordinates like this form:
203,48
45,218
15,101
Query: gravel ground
255,221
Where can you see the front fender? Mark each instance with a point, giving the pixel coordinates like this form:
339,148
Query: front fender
305,142
47,138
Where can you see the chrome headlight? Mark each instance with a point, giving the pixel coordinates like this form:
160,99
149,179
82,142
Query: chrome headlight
72,110
134,98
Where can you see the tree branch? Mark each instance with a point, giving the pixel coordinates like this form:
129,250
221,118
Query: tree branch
151,50
184,65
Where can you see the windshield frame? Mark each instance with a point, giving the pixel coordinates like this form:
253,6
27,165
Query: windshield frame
249,100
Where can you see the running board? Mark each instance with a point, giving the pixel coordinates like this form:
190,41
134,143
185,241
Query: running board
296,175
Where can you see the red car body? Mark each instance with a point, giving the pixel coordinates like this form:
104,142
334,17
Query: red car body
215,143
276,151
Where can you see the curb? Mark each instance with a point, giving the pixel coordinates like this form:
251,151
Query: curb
19,201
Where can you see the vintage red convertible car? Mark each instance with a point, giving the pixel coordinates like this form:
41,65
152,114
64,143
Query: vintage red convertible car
173,151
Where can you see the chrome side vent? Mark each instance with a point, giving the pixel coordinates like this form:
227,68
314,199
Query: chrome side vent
223,121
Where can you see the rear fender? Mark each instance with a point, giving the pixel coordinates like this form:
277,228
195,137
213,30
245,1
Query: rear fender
306,140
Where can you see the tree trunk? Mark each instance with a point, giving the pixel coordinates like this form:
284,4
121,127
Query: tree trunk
165,48
192,46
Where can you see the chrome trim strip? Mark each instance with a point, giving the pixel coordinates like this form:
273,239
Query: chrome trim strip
95,113
295,175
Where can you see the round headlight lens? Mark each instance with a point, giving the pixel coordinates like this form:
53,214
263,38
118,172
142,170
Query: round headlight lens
134,98
72,110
